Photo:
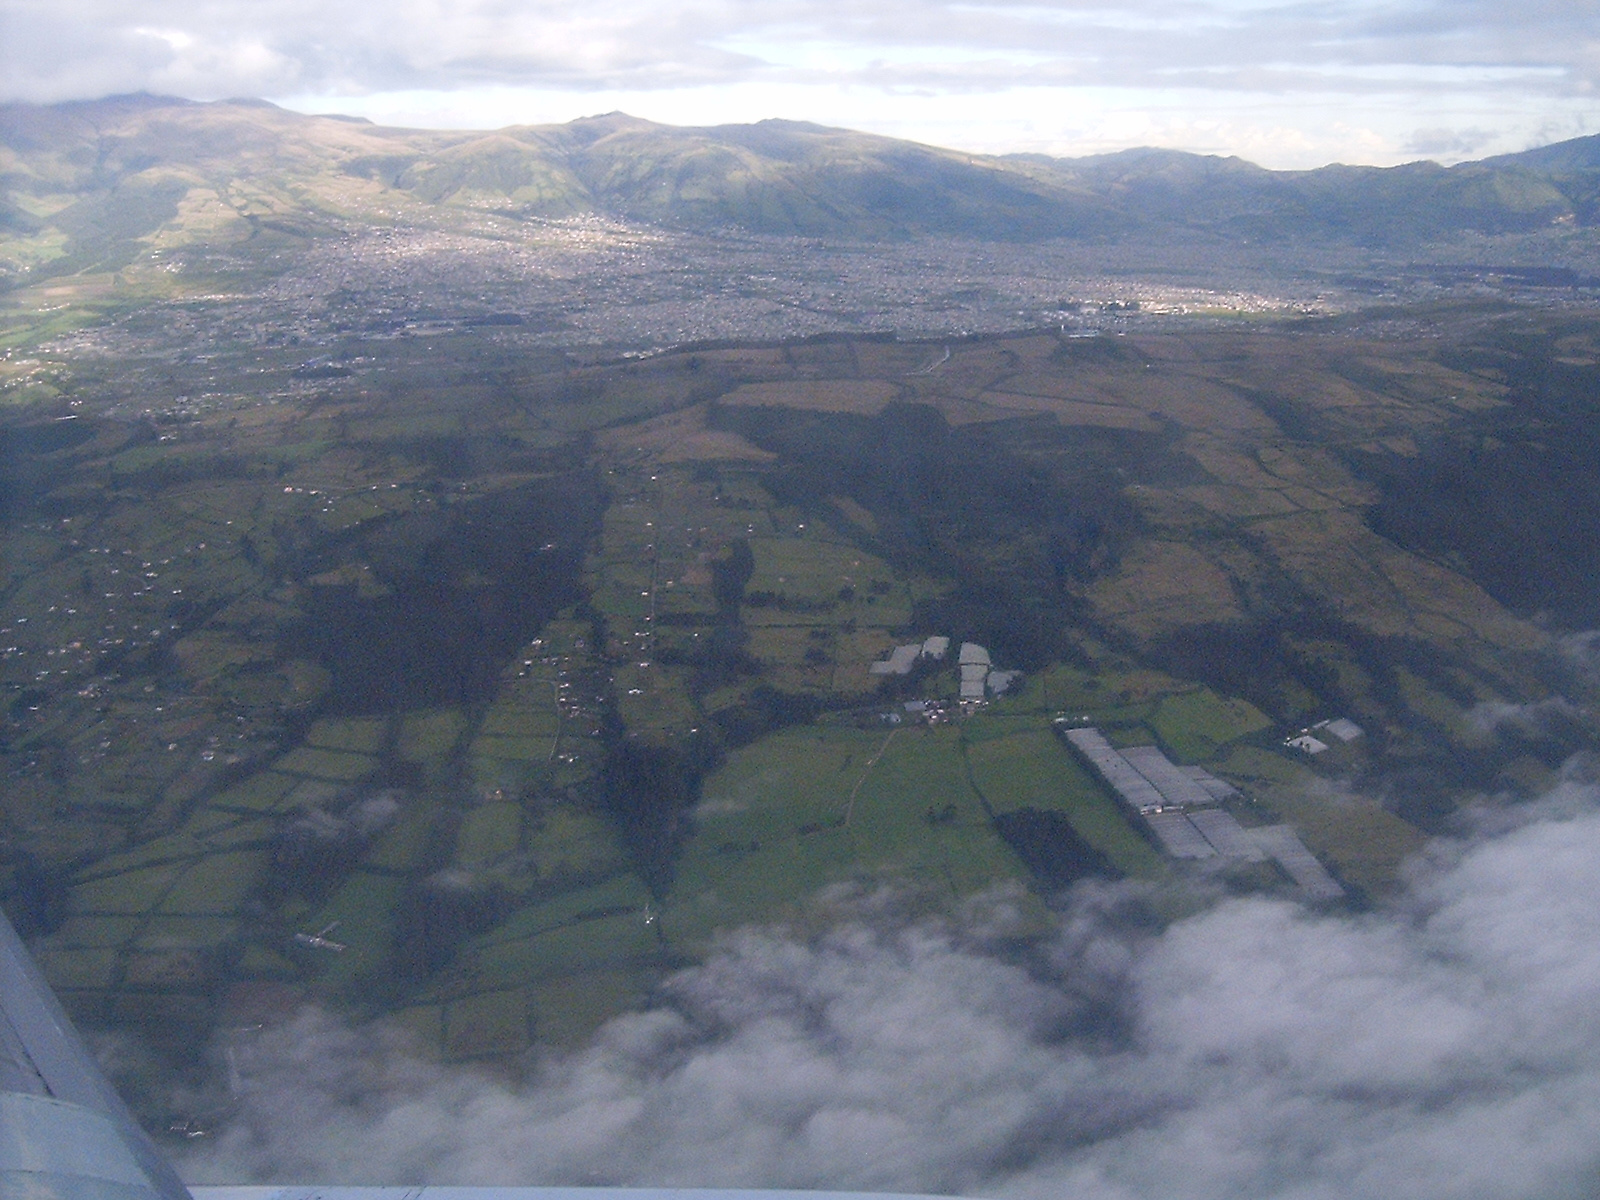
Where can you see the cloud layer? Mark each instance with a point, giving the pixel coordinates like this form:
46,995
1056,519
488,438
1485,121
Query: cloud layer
1449,1047
282,45
1466,73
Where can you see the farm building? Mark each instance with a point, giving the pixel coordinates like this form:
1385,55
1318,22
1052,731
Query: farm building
1342,728
900,661
1135,790
972,653
1178,806
1175,786
1291,854
1000,681
973,678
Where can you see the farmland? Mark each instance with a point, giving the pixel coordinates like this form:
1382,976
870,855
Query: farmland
482,690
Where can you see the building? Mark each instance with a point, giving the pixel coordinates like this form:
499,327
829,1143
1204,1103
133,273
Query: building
1178,807
1177,788
1132,788
1000,681
1342,728
973,678
1306,744
978,678
900,661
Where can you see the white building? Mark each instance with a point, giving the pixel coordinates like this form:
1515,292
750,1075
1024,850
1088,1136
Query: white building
972,653
900,661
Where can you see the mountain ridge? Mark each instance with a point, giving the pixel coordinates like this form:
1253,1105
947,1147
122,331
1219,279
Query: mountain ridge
87,183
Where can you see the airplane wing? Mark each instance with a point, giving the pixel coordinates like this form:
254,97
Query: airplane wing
433,1192
66,1135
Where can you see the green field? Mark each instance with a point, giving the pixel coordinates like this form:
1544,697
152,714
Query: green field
1361,839
1194,725
361,736
430,736
1022,764
425,606
818,806
326,764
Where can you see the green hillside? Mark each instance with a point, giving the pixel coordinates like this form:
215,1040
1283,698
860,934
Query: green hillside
86,185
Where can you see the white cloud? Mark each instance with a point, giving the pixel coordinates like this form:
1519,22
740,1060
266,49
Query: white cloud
1059,65
1581,651
1536,719
1449,1047
1452,142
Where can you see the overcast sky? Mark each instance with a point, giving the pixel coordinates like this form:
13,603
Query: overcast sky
1282,82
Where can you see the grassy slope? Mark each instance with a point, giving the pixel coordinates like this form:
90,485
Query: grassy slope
89,185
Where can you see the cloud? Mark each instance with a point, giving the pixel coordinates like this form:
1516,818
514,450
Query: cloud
1539,718
59,48
1581,651
1448,1047
1448,143
1288,83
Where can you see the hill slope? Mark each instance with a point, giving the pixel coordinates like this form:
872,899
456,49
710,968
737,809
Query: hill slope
86,185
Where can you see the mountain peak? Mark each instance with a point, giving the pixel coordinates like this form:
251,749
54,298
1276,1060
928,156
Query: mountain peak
772,176
1575,154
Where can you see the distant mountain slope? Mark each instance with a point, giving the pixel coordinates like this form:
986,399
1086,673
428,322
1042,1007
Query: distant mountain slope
91,184
1371,205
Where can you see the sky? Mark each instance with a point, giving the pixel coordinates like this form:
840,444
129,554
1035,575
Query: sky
1286,83
1444,1046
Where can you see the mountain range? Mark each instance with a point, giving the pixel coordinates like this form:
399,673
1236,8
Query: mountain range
84,182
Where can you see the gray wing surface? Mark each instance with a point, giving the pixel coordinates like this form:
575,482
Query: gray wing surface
64,1132
533,1193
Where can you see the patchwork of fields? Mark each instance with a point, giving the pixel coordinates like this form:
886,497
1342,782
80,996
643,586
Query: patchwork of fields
484,693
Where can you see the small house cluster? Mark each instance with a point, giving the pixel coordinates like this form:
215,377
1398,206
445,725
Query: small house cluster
979,680
1308,741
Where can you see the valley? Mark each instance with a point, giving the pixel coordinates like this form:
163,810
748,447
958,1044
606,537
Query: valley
519,693
466,618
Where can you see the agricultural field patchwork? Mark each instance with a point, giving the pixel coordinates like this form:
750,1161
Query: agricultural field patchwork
482,691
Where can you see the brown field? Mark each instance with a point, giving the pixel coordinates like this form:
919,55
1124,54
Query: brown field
866,396
682,436
1074,412
1163,586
